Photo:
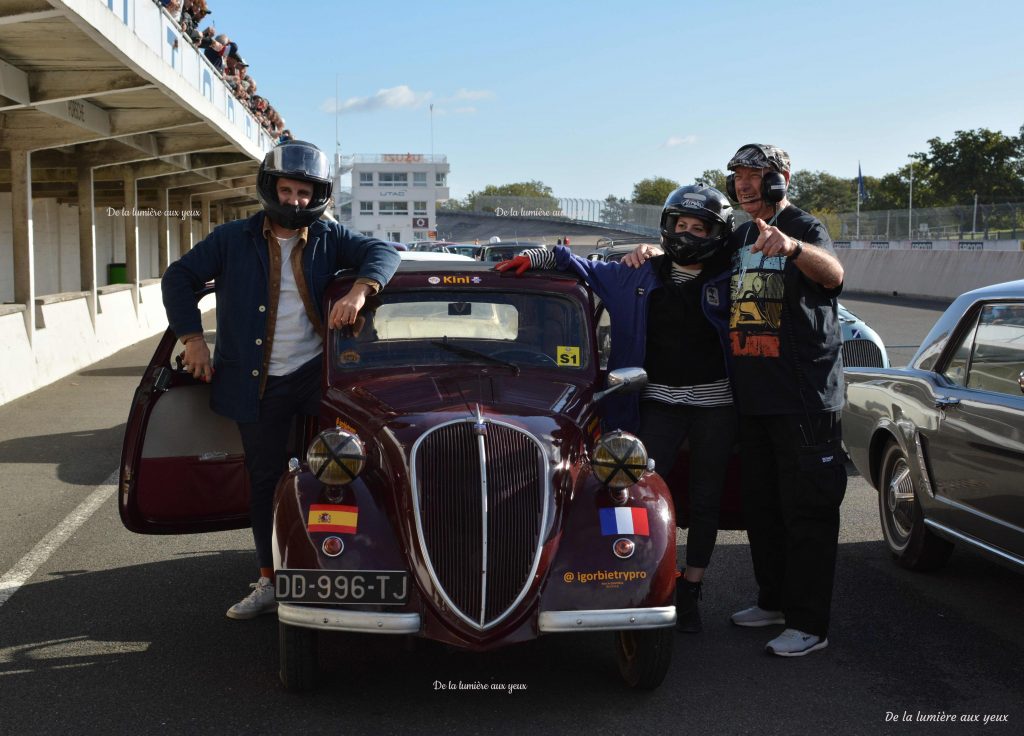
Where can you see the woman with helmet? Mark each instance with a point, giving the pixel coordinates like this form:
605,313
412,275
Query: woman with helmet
271,271
663,318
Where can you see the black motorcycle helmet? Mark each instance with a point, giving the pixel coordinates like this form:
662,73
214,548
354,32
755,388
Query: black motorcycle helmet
705,203
294,160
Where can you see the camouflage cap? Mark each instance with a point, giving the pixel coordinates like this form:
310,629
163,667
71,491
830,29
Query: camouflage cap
760,156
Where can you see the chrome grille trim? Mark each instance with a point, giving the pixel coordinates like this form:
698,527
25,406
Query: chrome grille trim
479,558
861,354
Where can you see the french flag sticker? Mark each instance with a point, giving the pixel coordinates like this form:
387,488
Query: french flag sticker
624,521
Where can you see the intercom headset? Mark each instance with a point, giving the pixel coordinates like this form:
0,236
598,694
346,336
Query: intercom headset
773,183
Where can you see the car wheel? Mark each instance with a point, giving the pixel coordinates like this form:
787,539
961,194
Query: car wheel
644,656
299,650
912,544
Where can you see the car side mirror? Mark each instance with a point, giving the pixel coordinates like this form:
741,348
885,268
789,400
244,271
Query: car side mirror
629,380
593,256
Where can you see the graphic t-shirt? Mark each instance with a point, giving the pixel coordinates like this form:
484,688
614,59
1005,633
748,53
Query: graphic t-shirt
784,332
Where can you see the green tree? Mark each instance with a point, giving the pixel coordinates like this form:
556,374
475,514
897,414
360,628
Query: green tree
539,194
821,191
713,178
892,191
980,161
614,210
654,190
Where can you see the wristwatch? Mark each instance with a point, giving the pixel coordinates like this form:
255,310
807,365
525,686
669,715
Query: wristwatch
796,251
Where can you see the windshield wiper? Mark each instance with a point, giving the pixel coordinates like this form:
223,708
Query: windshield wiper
473,354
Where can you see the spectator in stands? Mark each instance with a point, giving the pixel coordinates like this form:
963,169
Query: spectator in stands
286,135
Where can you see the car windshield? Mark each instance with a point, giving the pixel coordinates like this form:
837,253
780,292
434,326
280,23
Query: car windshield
404,328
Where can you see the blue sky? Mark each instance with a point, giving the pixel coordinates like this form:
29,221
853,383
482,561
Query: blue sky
592,97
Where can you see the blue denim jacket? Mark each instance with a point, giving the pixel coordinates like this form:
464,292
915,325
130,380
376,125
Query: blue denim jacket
626,293
235,255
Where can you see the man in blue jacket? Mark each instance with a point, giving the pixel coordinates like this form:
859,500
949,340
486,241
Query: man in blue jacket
271,271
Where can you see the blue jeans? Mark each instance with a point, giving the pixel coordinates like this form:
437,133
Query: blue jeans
711,431
265,442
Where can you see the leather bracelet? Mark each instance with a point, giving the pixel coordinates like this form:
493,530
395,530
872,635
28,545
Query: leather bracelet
796,251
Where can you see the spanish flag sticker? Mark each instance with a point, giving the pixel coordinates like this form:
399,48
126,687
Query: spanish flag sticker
326,518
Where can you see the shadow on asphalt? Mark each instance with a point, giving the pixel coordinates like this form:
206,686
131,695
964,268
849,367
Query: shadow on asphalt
146,646
129,371
66,450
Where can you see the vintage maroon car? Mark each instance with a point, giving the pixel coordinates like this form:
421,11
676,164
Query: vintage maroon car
457,485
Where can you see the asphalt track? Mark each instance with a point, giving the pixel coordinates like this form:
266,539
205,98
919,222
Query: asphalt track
104,631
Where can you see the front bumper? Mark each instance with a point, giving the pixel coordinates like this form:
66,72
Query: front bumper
553,622
334,619
549,622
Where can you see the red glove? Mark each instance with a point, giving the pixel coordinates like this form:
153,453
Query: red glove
520,263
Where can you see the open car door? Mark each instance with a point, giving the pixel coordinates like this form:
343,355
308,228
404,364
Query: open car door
182,465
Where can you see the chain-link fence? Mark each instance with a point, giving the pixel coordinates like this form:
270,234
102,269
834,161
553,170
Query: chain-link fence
986,221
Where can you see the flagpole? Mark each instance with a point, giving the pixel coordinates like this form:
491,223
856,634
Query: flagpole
859,187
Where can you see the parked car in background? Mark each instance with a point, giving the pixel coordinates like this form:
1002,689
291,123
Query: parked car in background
505,250
456,486
430,246
942,440
466,249
862,346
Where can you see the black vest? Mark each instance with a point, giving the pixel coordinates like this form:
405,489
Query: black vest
683,349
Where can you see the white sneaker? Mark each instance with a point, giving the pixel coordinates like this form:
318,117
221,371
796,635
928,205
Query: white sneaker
259,601
756,616
795,643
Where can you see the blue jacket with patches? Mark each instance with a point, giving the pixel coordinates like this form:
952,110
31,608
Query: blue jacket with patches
236,256
626,294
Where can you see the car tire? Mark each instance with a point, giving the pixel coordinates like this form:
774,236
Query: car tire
299,650
644,656
911,543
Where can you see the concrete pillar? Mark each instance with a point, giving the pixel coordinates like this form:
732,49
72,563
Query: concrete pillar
163,233
87,237
205,204
131,234
24,250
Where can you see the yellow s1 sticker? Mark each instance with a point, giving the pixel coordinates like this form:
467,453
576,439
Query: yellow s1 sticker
568,356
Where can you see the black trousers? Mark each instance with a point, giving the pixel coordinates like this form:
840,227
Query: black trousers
712,434
794,480
265,442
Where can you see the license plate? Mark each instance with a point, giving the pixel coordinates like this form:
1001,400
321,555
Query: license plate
369,587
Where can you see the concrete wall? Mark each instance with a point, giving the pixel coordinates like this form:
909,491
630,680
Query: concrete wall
55,237
937,274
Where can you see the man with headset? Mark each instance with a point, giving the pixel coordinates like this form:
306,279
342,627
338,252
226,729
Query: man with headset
784,346
271,271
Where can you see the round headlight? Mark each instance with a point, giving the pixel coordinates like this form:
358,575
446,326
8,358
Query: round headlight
620,459
336,457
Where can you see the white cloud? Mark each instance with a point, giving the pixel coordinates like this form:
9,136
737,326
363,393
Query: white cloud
392,98
676,140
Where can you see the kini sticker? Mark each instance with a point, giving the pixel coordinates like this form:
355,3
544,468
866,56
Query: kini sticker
328,518
624,521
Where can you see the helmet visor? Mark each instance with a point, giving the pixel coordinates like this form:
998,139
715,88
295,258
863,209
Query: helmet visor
299,162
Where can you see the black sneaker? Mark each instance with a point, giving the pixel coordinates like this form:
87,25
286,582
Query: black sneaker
687,611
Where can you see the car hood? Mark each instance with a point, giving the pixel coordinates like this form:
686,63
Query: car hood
448,390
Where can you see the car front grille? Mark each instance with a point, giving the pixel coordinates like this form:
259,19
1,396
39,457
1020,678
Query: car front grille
481,544
861,354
